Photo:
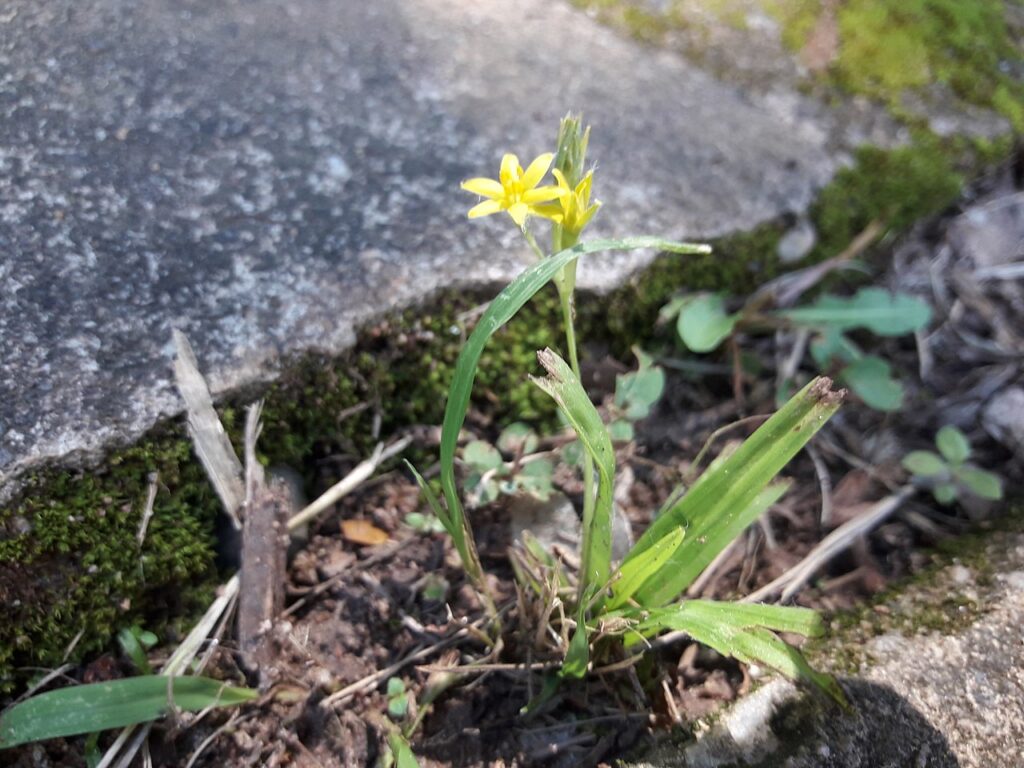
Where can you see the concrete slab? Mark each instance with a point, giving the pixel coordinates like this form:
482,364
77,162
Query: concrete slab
267,176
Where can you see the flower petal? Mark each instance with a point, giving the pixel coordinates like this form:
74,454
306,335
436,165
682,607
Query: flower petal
486,208
537,169
519,212
483,187
542,194
510,168
551,211
560,178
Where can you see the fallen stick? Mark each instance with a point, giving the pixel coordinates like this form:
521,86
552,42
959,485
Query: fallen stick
842,537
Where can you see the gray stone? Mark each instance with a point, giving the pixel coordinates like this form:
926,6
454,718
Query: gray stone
1003,418
267,177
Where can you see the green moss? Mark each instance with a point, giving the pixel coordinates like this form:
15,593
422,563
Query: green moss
888,47
894,187
70,564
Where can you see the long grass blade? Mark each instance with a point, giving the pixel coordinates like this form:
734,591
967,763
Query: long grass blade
731,494
100,706
565,389
500,311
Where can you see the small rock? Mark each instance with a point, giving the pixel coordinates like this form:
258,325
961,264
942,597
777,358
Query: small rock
1003,418
797,242
551,522
961,574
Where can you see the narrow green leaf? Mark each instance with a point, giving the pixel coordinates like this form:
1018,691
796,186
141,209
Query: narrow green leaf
648,564
565,389
953,444
800,621
736,631
101,706
129,642
577,656
500,311
455,531
731,494
985,485
877,310
924,464
871,378
402,755
703,323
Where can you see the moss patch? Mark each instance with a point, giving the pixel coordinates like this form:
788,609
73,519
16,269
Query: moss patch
72,571
888,47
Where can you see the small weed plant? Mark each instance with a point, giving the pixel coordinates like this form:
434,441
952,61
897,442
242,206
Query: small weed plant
704,324
948,474
602,612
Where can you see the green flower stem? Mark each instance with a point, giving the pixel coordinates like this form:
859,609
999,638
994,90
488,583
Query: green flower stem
566,284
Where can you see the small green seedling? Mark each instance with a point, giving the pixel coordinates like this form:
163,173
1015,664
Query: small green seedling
636,394
424,523
948,474
491,476
703,324
134,642
398,698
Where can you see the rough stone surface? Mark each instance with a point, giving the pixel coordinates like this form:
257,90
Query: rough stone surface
928,700
267,176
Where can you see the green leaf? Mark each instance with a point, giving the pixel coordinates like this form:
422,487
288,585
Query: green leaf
621,431
638,391
482,456
731,494
500,311
535,477
518,438
945,494
924,464
953,444
565,389
577,656
831,345
433,501
877,310
743,632
672,309
402,755
101,706
648,564
703,323
398,699
985,485
871,378
128,639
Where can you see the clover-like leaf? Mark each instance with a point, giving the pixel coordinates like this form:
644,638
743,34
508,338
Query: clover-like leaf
877,310
481,455
518,438
953,444
945,493
924,464
871,379
637,392
985,485
703,323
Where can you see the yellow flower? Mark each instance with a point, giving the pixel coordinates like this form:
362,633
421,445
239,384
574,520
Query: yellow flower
576,208
516,191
